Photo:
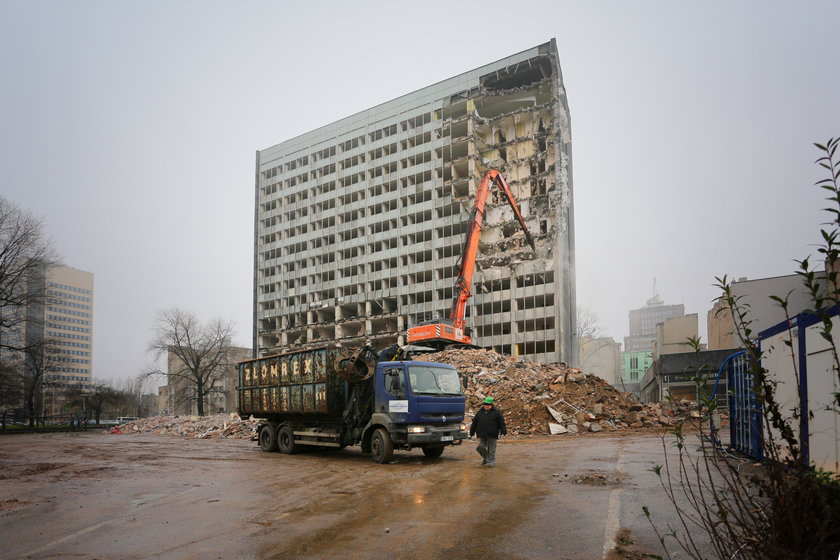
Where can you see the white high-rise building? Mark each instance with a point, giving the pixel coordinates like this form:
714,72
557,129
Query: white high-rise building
360,223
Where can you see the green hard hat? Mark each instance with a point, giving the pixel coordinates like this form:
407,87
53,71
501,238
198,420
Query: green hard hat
488,400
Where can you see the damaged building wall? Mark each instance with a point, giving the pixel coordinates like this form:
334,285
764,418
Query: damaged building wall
359,224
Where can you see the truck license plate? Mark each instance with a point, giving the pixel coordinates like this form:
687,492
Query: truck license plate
446,438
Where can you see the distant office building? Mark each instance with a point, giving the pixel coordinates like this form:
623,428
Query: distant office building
360,223
64,319
643,322
48,338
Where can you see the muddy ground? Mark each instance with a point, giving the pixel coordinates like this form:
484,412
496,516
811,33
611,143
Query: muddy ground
105,496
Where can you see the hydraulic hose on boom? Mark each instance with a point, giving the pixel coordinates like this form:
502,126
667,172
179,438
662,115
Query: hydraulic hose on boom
443,333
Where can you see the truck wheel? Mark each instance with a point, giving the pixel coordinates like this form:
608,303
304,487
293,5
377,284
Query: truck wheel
381,446
433,452
286,440
268,438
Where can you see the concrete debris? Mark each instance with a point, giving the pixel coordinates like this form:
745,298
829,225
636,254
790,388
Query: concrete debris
215,426
535,399
555,429
597,479
552,399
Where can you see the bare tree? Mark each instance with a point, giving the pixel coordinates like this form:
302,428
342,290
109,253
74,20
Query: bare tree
24,359
11,383
588,324
588,328
24,253
136,395
198,354
42,357
94,400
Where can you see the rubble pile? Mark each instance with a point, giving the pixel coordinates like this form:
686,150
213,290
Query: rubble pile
552,399
215,426
535,399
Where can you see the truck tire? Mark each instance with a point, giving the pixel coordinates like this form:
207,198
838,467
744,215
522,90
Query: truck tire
268,438
381,446
286,440
433,452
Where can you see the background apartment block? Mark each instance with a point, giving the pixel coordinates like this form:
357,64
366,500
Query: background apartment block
67,323
359,224
643,322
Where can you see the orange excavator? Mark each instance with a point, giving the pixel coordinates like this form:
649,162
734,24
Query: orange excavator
441,333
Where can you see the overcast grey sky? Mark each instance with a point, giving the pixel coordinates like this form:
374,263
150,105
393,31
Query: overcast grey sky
131,129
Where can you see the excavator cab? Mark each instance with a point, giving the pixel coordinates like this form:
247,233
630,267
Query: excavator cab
439,334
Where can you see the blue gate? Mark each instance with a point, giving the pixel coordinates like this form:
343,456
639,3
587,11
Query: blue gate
745,419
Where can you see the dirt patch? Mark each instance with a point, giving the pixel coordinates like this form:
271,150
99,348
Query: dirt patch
11,505
30,470
625,548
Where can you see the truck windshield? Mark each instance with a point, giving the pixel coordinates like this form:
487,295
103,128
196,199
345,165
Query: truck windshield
430,380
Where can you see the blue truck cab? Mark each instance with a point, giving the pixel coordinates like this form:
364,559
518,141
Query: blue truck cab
416,404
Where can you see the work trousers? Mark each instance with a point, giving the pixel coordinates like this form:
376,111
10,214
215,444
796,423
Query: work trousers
487,449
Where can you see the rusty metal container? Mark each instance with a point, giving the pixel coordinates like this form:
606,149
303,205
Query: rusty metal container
298,383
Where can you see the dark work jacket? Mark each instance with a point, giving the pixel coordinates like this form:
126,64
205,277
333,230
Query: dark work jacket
488,423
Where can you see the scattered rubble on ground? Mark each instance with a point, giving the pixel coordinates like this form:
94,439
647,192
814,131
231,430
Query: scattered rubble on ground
553,399
215,426
535,399
597,479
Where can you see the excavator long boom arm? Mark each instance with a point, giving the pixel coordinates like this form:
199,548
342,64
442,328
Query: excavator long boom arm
466,265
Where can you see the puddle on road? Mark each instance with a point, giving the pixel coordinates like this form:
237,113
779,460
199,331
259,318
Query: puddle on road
412,511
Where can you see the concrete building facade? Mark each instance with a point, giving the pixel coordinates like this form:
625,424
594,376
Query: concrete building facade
643,322
602,357
763,311
634,365
359,224
672,335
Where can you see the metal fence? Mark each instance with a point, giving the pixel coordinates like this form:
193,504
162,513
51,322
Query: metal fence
13,421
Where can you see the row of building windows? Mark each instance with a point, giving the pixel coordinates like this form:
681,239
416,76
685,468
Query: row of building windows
69,288
66,296
64,304
69,377
68,327
406,125
444,274
73,352
59,334
361,232
66,344
329,184
69,312
69,319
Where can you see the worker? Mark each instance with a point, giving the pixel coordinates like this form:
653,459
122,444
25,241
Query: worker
488,423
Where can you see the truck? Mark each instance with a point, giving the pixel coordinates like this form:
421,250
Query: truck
453,332
330,397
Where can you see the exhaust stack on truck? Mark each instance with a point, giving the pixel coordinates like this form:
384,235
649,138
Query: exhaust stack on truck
330,397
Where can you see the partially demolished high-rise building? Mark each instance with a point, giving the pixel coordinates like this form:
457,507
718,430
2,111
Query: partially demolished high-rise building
360,223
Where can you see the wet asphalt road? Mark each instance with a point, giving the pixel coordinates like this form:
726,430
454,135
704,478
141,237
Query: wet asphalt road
103,496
